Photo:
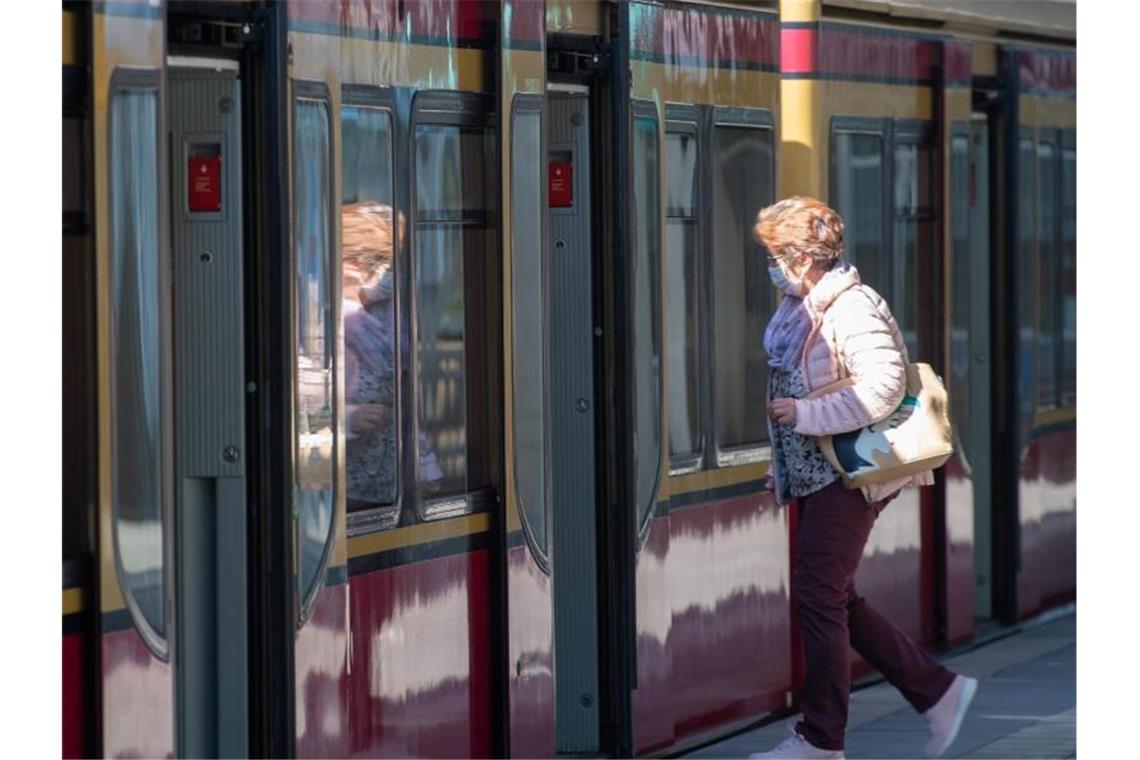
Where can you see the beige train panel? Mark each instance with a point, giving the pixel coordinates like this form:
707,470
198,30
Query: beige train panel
587,17
1039,111
704,86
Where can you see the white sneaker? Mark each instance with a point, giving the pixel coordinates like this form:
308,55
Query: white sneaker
795,747
946,716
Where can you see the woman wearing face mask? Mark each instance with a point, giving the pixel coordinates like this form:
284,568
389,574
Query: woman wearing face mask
370,360
830,326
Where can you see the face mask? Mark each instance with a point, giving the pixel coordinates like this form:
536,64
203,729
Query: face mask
781,281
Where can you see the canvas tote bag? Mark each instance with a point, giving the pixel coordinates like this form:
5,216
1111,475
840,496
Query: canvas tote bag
915,438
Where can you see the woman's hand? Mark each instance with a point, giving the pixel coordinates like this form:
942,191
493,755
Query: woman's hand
782,411
370,417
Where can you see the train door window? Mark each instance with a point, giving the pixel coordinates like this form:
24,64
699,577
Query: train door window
529,316
455,244
137,343
682,289
960,180
370,250
743,181
1047,300
857,172
1068,273
315,414
1026,273
646,303
912,233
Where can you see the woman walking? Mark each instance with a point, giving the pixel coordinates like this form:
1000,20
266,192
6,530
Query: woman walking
829,326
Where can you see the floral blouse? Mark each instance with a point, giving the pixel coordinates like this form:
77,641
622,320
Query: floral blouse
803,467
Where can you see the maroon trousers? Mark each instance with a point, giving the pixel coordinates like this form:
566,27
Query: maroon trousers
834,525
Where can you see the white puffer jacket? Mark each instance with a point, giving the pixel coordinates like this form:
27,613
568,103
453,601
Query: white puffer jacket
853,335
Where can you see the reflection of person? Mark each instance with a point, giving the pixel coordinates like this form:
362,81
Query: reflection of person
828,326
370,358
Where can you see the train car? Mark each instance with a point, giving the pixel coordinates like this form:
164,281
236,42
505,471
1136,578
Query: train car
413,365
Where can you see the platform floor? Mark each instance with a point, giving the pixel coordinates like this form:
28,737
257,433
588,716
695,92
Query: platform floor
1026,706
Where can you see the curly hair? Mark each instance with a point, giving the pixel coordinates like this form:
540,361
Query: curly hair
366,230
800,225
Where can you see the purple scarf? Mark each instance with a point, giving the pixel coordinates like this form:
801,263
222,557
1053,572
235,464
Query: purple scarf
794,318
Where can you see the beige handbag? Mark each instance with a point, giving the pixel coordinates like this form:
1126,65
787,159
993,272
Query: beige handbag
915,438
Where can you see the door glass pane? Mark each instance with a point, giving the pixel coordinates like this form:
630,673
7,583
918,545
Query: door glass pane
369,252
314,422
682,283
960,288
1047,202
1026,273
1068,275
856,192
137,344
455,316
646,314
743,183
913,231
529,320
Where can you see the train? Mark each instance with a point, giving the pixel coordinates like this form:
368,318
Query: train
563,543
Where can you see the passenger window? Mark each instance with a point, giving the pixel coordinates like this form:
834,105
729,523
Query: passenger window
371,241
646,338
315,414
455,246
857,178
528,257
1068,276
743,182
137,343
683,285
1050,304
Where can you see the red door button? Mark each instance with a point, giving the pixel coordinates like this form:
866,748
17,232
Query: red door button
203,176
561,184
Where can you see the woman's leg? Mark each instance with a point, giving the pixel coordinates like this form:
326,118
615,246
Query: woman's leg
833,529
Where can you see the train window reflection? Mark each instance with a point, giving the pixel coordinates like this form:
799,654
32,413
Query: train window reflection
960,289
913,235
455,244
315,419
646,339
743,181
136,344
371,240
682,283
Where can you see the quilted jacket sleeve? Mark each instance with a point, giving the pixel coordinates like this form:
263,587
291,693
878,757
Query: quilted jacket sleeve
870,343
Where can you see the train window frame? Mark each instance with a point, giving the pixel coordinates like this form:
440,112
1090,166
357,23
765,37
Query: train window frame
464,110
685,119
531,104
318,92
646,109
379,517
763,121
128,79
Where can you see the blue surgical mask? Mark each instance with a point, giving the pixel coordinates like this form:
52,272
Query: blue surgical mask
780,280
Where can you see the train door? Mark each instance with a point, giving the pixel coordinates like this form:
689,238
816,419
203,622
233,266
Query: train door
209,471
134,439
572,405
526,526
974,276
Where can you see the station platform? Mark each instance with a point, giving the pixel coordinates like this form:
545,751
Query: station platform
1026,706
